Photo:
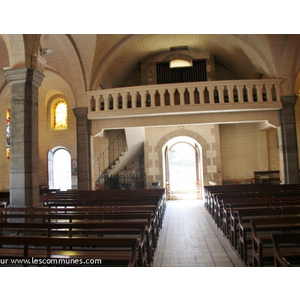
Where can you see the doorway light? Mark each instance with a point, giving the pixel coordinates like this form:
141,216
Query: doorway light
180,63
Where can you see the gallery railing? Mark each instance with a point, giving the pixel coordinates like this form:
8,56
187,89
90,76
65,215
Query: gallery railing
185,98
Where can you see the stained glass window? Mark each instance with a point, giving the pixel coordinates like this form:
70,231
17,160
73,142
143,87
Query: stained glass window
8,134
61,115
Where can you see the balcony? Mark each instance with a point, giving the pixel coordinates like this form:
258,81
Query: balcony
185,98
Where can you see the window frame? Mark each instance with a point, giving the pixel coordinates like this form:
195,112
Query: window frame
55,100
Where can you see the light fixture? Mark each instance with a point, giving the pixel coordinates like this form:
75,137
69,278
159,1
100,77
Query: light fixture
180,63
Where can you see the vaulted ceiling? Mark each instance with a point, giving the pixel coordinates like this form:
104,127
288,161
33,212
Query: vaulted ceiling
86,61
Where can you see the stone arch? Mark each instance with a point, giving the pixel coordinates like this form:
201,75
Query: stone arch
208,163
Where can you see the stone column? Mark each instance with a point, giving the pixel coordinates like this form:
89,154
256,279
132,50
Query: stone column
83,148
289,147
24,155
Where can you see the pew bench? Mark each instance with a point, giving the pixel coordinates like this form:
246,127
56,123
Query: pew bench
226,205
136,230
262,230
286,248
240,220
92,222
111,251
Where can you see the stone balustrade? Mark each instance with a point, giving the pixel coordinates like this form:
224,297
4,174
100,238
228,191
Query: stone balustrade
184,98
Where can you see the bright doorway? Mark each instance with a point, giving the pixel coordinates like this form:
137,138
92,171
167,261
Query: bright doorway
59,169
183,168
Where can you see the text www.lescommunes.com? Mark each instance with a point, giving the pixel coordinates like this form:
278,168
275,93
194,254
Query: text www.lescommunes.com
50,261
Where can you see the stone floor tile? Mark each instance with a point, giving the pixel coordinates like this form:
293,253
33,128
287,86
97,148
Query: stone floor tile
190,238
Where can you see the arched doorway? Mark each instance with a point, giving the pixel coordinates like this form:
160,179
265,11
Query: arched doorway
59,169
183,168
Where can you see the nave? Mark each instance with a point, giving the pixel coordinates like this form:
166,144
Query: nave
190,238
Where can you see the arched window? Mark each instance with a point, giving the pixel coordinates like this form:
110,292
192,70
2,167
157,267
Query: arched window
59,169
61,115
8,134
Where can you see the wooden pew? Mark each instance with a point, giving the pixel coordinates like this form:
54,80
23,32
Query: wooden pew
231,206
223,193
244,212
262,230
111,251
245,217
127,221
225,202
216,193
113,199
286,248
120,229
109,207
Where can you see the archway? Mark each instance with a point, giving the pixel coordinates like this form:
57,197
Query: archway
59,169
183,168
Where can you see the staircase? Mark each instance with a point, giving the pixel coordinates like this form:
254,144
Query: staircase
128,144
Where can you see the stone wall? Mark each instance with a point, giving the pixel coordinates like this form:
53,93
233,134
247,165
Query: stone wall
207,136
245,149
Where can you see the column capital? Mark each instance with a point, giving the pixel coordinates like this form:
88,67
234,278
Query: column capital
289,100
80,111
24,75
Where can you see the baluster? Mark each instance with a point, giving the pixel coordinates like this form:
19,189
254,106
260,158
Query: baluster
251,92
269,92
105,102
172,97
259,92
230,89
240,93
211,94
143,98
97,104
115,101
201,94
133,99
162,97
221,93
181,95
152,98
191,92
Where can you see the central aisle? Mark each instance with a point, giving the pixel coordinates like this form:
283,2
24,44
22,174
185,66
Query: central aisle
190,238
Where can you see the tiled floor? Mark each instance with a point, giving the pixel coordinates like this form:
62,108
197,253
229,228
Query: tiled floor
190,238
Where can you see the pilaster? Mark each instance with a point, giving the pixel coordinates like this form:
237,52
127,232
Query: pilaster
289,147
24,156
83,148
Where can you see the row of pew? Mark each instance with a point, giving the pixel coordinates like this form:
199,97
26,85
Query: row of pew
116,228
262,222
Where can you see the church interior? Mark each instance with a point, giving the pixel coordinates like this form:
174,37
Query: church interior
153,150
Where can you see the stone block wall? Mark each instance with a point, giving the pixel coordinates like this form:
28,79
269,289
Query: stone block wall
207,136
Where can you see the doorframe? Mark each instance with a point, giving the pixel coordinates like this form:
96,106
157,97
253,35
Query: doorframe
50,165
198,162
